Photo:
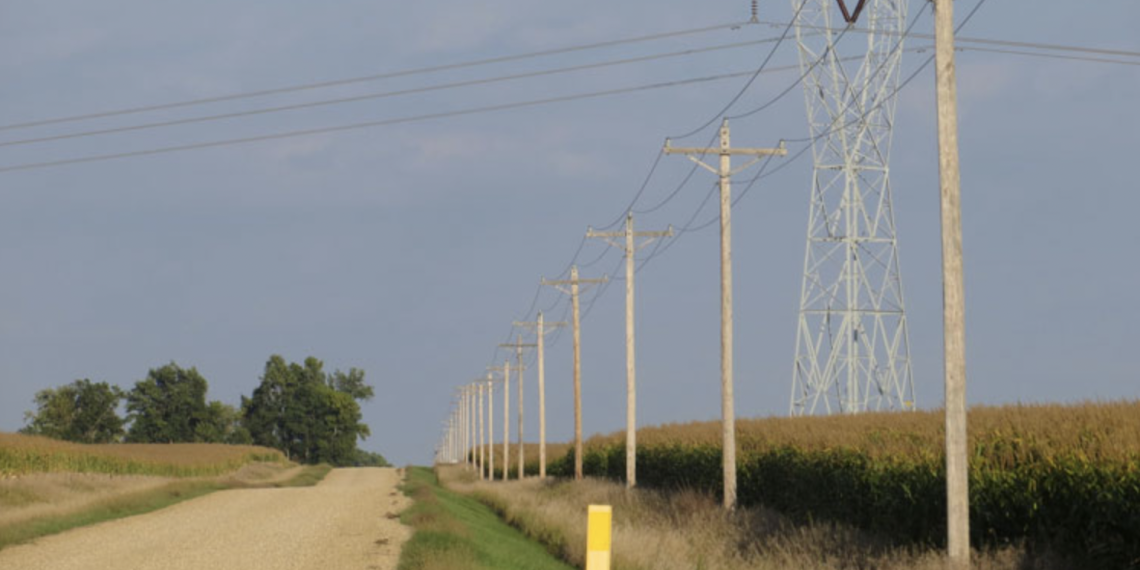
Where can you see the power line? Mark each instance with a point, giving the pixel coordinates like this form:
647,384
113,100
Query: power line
369,78
372,124
1049,55
900,87
751,80
384,94
992,42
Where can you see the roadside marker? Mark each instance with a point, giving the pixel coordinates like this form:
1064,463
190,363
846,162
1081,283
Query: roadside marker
598,537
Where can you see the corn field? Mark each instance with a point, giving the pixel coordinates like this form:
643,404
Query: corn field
1061,477
22,454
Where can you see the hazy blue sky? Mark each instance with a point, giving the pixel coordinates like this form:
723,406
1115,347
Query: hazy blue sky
408,250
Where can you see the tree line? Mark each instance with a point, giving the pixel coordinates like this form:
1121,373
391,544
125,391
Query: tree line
311,415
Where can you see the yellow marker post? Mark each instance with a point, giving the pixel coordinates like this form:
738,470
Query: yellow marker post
598,537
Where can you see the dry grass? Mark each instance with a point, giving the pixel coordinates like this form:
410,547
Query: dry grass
23,454
686,530
43,495
55,494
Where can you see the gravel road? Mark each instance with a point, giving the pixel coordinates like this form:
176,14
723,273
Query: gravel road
342,523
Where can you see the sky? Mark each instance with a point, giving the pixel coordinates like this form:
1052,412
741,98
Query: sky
408,249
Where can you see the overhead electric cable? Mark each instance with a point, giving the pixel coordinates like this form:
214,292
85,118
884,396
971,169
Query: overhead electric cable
372,124
900,87
992,42
1048,55
824,56
747,84
381,94
368,78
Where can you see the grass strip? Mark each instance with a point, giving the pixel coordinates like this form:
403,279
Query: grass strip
455,532
119,507
144,502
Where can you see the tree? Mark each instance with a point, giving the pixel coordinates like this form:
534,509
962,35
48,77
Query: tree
83,411
351,384
311,416
169,406
369,459
222,424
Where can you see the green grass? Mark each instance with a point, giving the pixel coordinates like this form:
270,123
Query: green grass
455,532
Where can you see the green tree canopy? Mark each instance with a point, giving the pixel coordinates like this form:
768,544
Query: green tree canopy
169,406
222,424
311,416
83,411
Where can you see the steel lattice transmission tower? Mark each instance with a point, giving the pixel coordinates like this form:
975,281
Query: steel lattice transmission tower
852,345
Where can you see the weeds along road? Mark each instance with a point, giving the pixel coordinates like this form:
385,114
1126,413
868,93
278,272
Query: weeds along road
341,523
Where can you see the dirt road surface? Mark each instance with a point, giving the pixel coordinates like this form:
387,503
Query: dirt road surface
342,523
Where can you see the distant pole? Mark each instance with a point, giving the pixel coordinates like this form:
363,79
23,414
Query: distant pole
725,172
471,417
953,291
506,419
454,426
482,437
519,366
574,282
463,425
577,376
490,428
629,249
519,346
505,370
541,327
467,445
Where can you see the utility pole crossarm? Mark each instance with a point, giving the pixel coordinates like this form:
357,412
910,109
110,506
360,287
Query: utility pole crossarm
694,154
778,151
592,234
561,284
532,325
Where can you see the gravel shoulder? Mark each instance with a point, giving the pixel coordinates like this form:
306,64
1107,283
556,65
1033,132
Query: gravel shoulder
341,523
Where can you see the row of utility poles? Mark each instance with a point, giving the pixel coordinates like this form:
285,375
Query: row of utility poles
465,439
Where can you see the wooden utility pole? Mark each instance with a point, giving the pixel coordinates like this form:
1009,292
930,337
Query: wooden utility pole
449,445
519,346
540,329
506,419
479,403
471,416
490,427
506,380
629,247
725,172
461,418
953,291
575,284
